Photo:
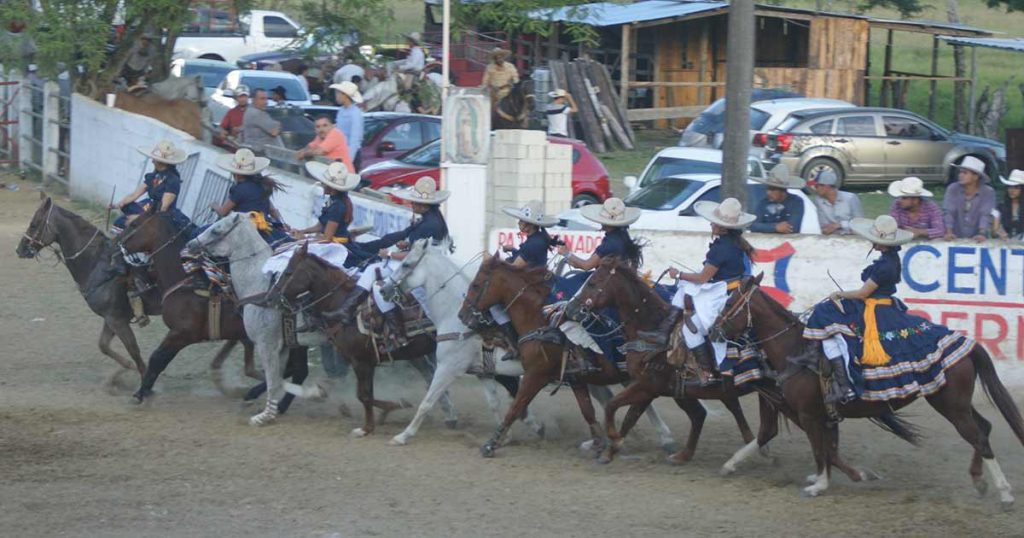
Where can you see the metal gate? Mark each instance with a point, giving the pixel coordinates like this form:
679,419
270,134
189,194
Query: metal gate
213,190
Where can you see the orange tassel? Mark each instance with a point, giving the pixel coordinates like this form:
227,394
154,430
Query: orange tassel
874,354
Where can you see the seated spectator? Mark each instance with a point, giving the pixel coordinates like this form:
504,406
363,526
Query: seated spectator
277,95
836,208
1011,214
969,202
258,128
913,211
779,213
329,142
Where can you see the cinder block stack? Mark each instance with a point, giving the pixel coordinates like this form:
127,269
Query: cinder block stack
524,166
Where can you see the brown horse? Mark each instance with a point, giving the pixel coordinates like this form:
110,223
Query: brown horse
750,313
616,285
184,312
182,114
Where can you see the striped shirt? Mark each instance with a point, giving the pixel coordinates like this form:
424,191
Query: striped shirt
929,217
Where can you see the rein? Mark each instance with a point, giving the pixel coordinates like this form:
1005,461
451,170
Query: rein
734,311
34,242
167,243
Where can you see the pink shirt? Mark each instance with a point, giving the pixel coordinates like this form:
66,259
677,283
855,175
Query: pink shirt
929,217
335,147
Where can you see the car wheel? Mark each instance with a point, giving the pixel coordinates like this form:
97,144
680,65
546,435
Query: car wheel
581,200
819,165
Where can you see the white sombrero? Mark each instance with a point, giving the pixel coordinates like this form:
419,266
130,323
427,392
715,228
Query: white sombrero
557,93
909,187
533,213
613,212
780,178
1016,179
244,162
164,152
414,37
881,231
973,164
498,52
423,192
728,214
350,89
334,175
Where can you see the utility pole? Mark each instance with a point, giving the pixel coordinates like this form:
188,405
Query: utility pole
739,79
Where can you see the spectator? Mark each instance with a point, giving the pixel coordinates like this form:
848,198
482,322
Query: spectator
350,117
913,211
328,142
414,62
302,70
969,202
779,212
140,59
277,94
231,123
258,128
348,72
499,75
562,104
836,208
1011,214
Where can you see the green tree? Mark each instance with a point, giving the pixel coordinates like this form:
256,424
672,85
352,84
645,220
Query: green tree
333,24
906,8
510,16
1010,5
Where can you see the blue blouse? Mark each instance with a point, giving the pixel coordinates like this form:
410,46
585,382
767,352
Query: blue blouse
729,258
431,225
886,272
248,196
338,210
534,251
163,182
613,244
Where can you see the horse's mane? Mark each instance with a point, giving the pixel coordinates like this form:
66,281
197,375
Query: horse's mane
75,218
324,264
532,275
622,266
777,308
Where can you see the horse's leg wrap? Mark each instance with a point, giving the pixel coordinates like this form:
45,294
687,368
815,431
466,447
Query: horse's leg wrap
267,416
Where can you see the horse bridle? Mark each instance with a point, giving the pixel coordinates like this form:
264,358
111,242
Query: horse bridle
476,310
286,304
735,310
35,244
128,234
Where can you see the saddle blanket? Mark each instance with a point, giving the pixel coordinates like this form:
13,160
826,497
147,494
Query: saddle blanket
333,253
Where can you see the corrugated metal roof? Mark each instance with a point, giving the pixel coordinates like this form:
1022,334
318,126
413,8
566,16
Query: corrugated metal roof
1015,44
615,14
931,24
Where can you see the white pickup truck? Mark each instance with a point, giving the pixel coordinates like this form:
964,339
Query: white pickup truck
219,35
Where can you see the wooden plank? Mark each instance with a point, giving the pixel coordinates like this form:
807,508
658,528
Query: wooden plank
935,72
616,128
599,73
624,74
588,119
674,84
667,113
702,62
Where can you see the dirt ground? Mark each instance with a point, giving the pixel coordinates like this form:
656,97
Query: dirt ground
76,460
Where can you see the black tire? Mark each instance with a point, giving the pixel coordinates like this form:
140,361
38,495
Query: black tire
581,200
818,164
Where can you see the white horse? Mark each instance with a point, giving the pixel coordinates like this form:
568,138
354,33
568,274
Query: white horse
235,237
445,284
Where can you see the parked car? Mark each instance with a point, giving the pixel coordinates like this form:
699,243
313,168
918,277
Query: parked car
589,176
874,145
219,35
685,161
667,204
222,99
387,135
706,130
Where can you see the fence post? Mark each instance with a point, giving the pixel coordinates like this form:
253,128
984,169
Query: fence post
24,112
51,132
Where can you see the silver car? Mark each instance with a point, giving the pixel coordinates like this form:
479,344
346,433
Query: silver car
874,145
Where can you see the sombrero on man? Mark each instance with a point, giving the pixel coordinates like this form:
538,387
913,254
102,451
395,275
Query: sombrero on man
780,178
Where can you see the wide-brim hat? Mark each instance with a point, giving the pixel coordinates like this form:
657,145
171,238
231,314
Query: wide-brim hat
728,214
613,212
973,164
909,187
557,93
780,178
1016,179
164,152
244,162
498,52
423,192
334,175
532,213
350,89
415,37
883,230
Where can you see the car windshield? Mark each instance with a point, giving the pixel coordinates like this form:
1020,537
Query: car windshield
293,90
372,126
427,155
665,194
671,166
212,74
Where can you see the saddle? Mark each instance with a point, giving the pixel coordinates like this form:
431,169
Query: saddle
370,322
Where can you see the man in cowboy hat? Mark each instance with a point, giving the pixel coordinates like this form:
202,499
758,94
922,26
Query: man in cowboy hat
414,62
329,142
913,210
562,104
969,202
499,75
139,59
836,208
349,118
778,212
258,128
231,123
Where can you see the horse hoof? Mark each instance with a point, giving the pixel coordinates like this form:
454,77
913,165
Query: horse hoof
1007,505
587,445
670,447
139,397
487,451
727,470
359,432
811,491
811,478
605,458
680,458
981,485
397,440
451,424
868,475
261,420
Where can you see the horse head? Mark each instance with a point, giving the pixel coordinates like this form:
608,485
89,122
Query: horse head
41,231
481,295
411,274
147,235
501,283
595,294
231,233
296,279
736,318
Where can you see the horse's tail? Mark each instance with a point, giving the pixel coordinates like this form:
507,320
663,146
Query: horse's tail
896,425
996,391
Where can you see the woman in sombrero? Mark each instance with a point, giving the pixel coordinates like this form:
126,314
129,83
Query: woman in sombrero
868,327
426,203
727,261
614,217
337,181
251,194
161,187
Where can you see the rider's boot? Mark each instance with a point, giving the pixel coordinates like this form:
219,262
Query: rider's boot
513,341
396,326
840,390
137,285
663,333
346,313
706,362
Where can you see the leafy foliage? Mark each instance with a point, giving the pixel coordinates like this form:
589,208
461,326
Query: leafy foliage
335,24
1010,5
906,8
510,16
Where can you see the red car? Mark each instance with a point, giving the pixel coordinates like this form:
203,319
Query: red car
589,177
388,135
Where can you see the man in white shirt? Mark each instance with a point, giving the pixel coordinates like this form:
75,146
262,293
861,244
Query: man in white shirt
836,208
416,60
562,104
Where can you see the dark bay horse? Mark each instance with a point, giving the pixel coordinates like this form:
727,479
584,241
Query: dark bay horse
513,110
616,285
523,293
750,313
184,312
